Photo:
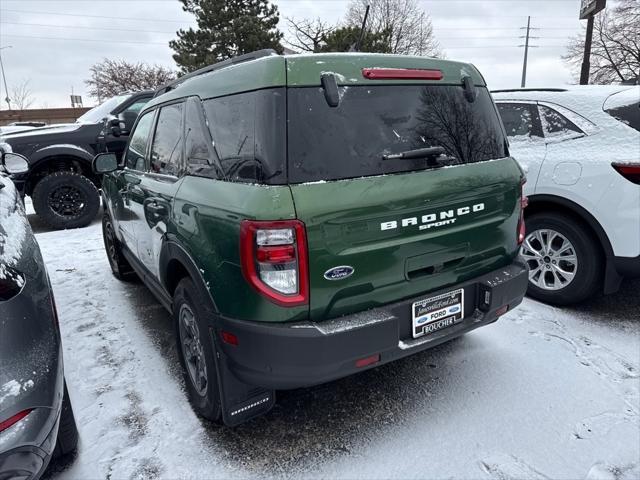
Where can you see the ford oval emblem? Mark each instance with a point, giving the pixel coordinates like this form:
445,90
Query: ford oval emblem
338,273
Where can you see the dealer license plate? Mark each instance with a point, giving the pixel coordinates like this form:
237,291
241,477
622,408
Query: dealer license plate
435,313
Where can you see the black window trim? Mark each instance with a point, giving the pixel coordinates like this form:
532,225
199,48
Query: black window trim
147,151
202,123
164,176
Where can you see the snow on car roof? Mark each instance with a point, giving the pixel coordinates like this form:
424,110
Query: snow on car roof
623,98
587,100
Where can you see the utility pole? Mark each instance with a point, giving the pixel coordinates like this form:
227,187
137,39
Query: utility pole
523,83
4,79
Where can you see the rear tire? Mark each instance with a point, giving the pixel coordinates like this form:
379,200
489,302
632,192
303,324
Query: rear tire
580,255
67,440
120,267
66,200
191,312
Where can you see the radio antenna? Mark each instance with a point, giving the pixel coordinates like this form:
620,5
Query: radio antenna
356,47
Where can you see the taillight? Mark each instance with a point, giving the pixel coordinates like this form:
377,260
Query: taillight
630,171
401,74
524,201
274,260
4,424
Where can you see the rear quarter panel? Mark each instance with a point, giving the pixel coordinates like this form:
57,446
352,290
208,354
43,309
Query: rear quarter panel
206,222
612,200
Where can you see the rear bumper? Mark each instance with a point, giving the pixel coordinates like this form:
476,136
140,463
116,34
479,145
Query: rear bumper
628,267
27,452
301,354
29,461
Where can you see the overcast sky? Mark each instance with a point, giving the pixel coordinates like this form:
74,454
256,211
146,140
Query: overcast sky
55,42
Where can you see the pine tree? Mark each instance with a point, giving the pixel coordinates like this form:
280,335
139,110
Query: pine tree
343,39
226,28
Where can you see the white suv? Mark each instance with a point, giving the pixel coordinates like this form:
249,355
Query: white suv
580,149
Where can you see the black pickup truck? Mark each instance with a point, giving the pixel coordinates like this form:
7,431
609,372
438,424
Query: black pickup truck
60,181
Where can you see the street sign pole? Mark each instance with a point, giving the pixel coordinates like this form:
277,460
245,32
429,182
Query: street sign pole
586,64
588,10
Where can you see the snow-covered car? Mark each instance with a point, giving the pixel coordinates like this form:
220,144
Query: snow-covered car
36,418
580,148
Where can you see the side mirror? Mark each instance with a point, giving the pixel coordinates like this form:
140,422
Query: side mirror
113,126
104,163
127,120
14,163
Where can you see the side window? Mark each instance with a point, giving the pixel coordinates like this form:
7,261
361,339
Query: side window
232,126
518,119
197,142
556,125
137,106
136,150
166,150
249,135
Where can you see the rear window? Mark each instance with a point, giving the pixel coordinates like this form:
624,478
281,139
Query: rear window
625,107
371,121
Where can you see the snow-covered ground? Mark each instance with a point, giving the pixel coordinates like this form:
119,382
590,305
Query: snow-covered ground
543,393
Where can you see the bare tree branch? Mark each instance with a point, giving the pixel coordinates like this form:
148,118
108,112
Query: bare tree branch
112,77
615,51
307,35
21,95
410,29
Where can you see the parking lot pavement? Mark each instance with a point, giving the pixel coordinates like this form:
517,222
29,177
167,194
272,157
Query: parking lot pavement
543,393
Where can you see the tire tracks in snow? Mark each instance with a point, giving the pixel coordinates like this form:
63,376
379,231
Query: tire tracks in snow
135,421
616,371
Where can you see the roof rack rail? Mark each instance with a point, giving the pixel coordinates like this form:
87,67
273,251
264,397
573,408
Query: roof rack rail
267,52
505,90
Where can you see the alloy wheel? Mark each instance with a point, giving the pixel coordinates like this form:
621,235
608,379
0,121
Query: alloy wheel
111,244
67,201
552,259
192,349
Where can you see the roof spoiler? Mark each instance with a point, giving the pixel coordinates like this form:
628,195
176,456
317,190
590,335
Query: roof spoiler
267,52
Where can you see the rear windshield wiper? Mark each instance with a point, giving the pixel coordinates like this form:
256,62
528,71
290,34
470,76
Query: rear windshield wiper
435,156
417,153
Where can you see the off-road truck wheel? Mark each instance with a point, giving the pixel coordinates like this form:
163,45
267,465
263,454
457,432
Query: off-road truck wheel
66,200
195,348
564,258
120,267
67,440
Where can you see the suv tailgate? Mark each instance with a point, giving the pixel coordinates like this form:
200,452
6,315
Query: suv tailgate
359,223
406,226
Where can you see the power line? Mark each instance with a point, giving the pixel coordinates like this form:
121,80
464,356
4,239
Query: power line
165,43
146,19
81,39
48,25
74,27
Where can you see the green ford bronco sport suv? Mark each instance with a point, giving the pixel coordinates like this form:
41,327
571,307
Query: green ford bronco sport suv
307,217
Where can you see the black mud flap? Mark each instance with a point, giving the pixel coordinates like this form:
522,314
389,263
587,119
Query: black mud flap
240,402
